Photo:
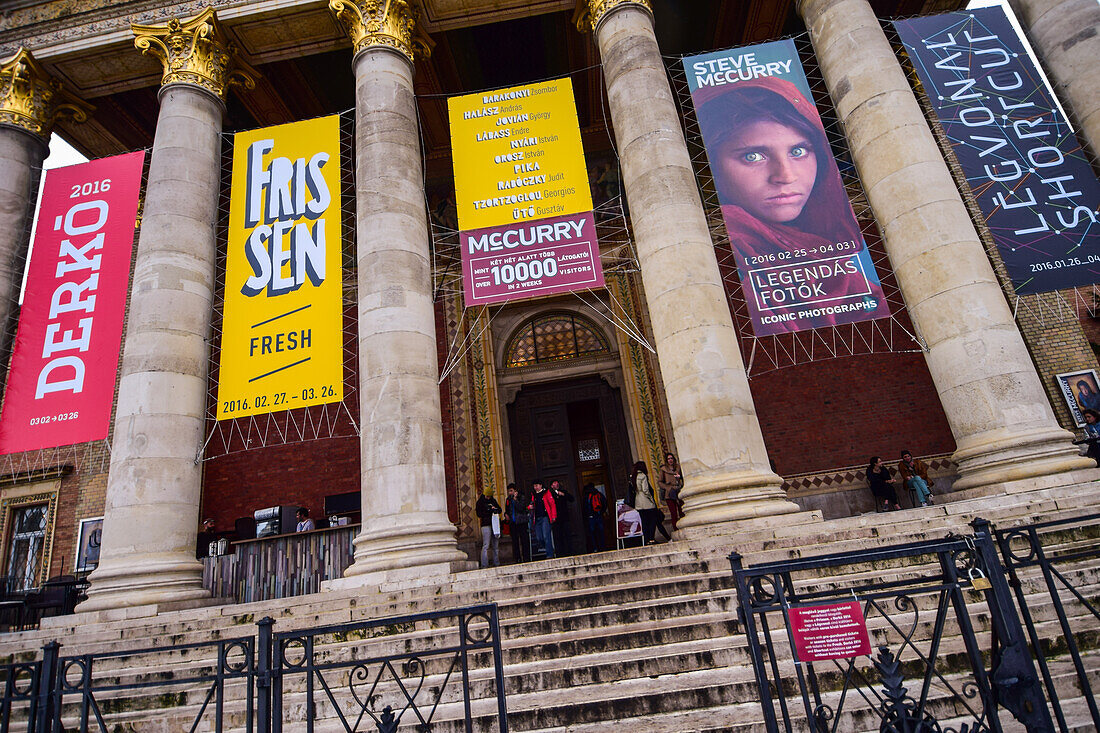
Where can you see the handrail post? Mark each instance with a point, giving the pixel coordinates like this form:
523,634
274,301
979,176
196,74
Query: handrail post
47,688
498,670
1013,675
263,675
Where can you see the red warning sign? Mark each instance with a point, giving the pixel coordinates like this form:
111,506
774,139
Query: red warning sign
836,631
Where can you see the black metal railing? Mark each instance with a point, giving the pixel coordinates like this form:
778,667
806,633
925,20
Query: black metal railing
426,672
22,696
190,680
408,684
924,668
1056,552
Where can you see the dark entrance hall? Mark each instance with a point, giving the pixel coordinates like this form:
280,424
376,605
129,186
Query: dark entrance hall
572,431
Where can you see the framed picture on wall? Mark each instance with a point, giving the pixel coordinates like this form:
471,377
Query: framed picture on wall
1081,391
87,546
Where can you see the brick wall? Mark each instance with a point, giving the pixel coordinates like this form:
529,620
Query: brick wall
840,412
299,474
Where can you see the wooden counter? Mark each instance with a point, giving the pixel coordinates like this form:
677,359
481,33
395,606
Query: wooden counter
280,566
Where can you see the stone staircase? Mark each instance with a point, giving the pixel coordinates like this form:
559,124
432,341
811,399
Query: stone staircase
646,636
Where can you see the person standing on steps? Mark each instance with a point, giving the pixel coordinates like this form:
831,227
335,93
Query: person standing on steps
515,513
882,486
486,507
562,500
643,498
670,480
595,507
914,476
544,512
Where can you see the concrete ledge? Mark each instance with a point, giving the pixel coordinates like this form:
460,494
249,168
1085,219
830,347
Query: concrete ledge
403,578
87,618
771,526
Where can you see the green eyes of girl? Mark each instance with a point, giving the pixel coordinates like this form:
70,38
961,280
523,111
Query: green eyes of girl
755,156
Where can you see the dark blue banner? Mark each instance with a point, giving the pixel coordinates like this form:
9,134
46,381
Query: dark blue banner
1023,163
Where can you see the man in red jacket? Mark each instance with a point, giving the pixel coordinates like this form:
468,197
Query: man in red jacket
544,512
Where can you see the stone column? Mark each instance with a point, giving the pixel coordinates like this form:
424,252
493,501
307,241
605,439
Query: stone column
30,102
727,476
1003,424
1066,35
405,522
151,515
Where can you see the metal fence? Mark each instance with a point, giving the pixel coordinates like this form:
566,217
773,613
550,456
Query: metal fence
1060,553
944,650
426,672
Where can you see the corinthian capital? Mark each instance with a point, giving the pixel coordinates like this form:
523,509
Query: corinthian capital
31,99
590,12
195,51
386,23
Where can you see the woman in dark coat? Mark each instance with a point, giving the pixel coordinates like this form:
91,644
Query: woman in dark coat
882,486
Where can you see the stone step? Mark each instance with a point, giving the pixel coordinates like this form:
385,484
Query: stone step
587,666
565,608
517,579
593,629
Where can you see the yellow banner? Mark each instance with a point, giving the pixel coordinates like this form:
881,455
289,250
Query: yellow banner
282,335
517,155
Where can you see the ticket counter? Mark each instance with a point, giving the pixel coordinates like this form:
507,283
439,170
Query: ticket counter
280,566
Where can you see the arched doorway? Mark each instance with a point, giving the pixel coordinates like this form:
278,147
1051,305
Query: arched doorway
565,413
572,431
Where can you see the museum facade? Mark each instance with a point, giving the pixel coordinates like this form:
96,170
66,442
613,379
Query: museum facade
442,401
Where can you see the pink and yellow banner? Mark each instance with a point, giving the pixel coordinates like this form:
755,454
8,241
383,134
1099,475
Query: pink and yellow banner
65,361
521,188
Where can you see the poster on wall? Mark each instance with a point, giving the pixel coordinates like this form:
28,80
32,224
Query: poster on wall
88,543
522,194
65,359
1081,391
282,332
800,254
1024,165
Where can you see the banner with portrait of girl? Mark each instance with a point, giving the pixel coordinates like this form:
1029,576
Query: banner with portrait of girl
801,257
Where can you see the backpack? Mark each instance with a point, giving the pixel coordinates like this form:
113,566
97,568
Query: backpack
597,502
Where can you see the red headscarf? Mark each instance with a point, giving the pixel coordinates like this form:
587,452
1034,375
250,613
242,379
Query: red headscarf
827,217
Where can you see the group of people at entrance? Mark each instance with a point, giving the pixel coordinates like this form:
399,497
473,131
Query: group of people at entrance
537,520
914,476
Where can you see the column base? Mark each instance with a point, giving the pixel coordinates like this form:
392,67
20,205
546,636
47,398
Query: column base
1006,456
434,574
144,581
740,528
85,618
733,497
386,545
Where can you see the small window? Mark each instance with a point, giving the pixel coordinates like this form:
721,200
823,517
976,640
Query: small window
28,537
588,450
554,337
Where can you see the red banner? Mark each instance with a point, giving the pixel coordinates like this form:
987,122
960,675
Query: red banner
65,361
836,631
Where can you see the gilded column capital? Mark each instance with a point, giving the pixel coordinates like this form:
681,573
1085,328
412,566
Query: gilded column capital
383,23
31,99
589,13
195,51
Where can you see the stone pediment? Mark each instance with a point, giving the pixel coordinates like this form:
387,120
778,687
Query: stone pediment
89,45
